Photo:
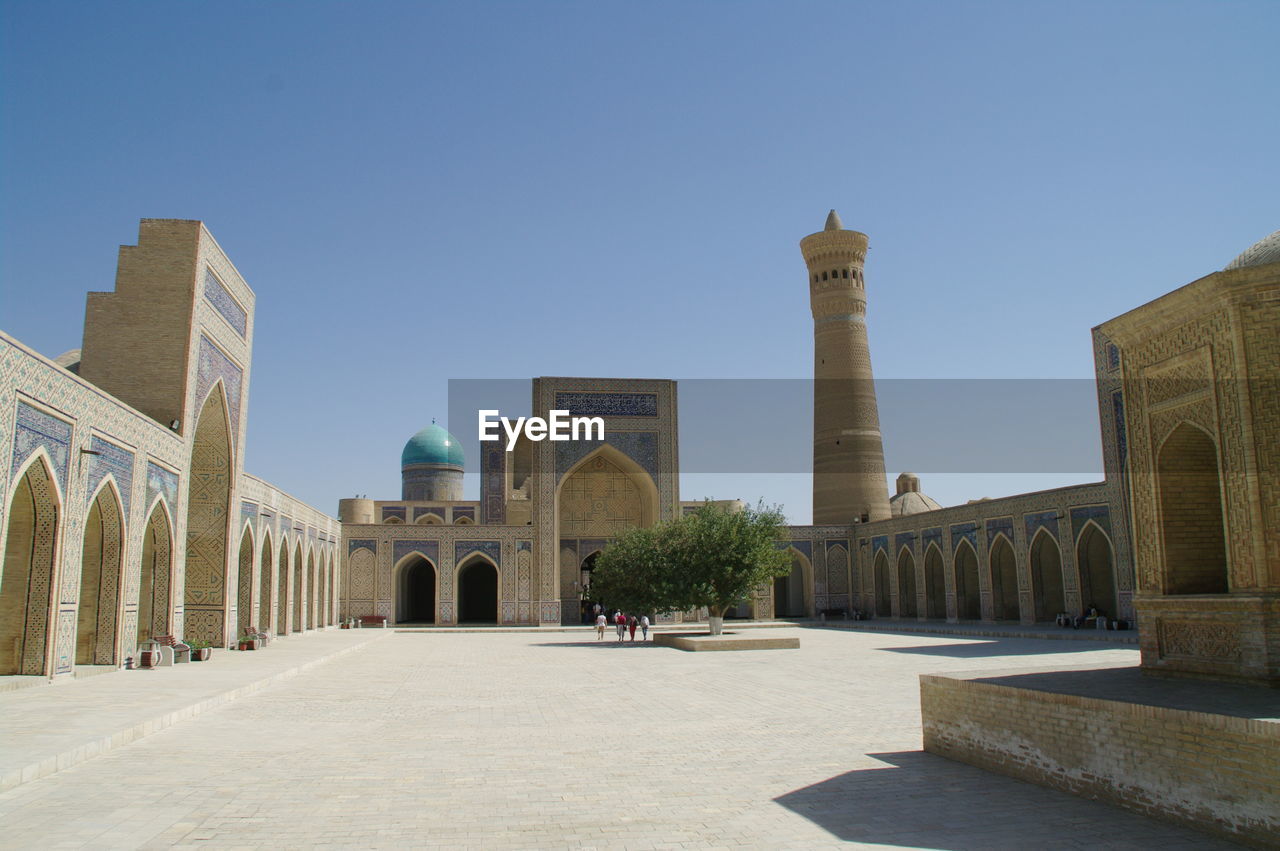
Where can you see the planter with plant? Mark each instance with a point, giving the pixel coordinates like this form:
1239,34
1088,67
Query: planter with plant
249,641
201,651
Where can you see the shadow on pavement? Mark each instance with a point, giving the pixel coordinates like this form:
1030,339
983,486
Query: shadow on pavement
978,648
922,800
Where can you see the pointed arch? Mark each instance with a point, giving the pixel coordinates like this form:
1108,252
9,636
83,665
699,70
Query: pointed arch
297,570
155,605
1095,559
1046,576
429,520
1189,481
1003,565
968,590
27,580
478,576
417,582
880,579
907,606
463,521
604,493
244,583
208,520
266,558
935,583
312,590
100,604
793,593
282,586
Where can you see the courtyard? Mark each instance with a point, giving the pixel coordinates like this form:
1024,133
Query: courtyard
554,739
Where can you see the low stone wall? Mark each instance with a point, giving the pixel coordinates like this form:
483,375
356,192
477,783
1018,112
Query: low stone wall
1211,771
728,641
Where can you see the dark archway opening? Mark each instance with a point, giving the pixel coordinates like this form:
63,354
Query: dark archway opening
1046,578
417,591
1097,577
1004,581
478,593
788,592
880,575
590,605
935,586
906,585
1195,547
968,594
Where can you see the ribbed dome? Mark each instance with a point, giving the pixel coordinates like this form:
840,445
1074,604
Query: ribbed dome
432,445
908,500
1262,252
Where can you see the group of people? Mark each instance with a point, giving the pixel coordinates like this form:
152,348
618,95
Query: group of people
623,624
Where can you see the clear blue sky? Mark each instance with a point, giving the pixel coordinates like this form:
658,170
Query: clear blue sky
419,192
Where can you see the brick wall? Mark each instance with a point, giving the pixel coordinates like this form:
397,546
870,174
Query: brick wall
1213,772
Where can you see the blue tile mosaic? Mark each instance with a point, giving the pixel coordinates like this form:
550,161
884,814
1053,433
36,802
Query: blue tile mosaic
248,509
639,446
839,542
608,404
225,303
214,364
366,543
586,546
803,546
464,511
1113,356
437,510
430,549
522,546
1122,446
929,536
878,543
964,531
34,429
903,539
1047,519
996,525
493,465
1100,514
493,549
115,460
392,511
162,483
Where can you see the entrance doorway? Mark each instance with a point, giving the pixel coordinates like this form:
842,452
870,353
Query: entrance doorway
478,592
416,594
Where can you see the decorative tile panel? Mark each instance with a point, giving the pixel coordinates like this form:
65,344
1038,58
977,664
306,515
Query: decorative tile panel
214,364
965,531
115,460
878,543
162,483
607,404
493,549
1100,514
392,511
354,544
430,549
1047,519
437,510
640,446
903,539
225,303
34,429
493,485
996,525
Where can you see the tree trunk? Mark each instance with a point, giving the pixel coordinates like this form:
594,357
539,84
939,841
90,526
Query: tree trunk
715,619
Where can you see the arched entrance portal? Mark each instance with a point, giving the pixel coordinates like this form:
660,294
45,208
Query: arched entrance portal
1046,577
297,571
1195,549
208,502
935,586
1097,576
968,594
244,584
906,584
1004,580
880,575
478,591
100,582
26,585
263,619
789,592
282,590
153,589
416,591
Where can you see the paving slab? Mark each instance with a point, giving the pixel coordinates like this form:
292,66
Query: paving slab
55,725
559,740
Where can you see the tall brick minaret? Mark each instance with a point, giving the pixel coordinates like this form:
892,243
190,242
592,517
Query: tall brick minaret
848,455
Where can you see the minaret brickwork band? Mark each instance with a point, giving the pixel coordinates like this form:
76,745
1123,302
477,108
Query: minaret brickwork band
848,453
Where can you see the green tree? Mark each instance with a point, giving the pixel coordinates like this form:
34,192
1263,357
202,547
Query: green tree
713,557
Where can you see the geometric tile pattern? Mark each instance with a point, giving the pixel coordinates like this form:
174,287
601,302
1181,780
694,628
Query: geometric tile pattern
114,460
34,429
640,446
213,364
222,301
585,404
162,482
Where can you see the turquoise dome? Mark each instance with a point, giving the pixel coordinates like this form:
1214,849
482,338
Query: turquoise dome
432,445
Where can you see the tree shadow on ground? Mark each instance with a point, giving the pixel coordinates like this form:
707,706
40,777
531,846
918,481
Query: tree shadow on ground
978,648
922,800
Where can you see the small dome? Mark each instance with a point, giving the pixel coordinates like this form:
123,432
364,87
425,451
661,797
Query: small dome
432,445
1262,252
911,502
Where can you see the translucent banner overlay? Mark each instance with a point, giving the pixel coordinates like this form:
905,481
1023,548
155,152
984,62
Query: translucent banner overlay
765,426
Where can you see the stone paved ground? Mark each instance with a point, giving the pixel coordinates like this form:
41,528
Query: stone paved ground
553,740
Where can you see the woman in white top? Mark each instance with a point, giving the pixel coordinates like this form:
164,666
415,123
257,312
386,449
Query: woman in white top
601,623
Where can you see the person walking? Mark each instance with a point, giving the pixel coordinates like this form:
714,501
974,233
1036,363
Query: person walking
644,628
620,622
632,624
601,623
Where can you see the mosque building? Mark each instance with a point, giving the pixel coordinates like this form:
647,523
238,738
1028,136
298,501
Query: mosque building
127,513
